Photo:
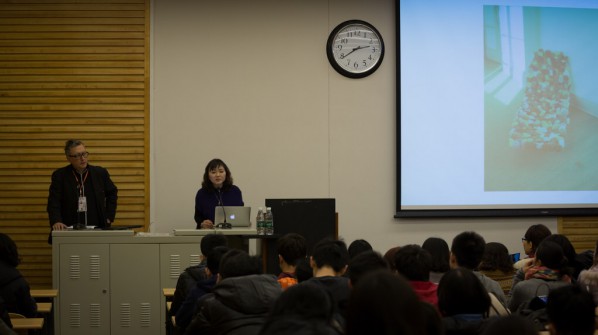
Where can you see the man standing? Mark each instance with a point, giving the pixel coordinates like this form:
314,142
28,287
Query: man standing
81,194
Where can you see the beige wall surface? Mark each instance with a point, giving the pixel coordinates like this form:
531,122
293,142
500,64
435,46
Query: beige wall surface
249,82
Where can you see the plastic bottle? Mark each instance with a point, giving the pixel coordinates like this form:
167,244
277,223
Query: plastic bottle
259,221
269,218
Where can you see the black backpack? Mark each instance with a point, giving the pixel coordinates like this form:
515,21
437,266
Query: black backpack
535,310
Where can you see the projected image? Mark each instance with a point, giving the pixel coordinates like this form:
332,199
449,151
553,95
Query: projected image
540,99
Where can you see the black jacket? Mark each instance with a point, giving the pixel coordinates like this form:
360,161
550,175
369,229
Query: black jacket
187,280
238,305
14,290
63,196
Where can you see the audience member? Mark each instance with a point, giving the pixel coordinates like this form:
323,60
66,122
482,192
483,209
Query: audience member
189,277
384,303
302,310
389,256
463,302
14,289
440,252
415,263
498,265
467,251
329,263
548,273
241,299
576,262
511,324
588,279
358,246
364,263
532,238
188,308
291,248
571,311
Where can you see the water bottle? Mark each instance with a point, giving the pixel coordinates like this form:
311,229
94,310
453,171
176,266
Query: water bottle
259,221
269,218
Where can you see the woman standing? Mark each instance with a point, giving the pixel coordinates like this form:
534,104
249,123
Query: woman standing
217,189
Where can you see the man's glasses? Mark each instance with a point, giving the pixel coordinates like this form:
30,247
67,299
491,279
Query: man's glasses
83,154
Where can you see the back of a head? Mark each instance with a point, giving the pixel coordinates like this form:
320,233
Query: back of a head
365,263
439,250
358,246
461,292
496,257
468,249
571,311
563,241
535,234
9,253
414,263
332,253
551,255
292,247
306,302
384,303
389,257
211,241
511,324
237,263
214,258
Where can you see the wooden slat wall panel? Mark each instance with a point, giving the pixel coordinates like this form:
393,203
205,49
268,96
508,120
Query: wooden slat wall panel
70,69
581,231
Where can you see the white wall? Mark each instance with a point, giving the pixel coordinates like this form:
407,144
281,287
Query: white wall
249,82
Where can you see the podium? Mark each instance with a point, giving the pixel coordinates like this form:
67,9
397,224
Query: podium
110,282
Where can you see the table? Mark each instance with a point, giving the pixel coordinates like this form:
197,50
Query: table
44,293
27,323
44,307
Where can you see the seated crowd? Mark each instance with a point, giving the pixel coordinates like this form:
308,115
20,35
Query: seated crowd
469,287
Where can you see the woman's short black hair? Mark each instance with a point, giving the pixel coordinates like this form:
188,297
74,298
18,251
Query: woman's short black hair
535,234
496,257
461,292
440,252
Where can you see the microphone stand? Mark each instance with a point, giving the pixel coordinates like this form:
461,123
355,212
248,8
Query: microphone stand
223,225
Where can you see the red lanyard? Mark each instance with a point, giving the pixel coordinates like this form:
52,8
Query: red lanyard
80,185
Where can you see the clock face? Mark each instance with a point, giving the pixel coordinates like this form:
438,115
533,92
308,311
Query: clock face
355,49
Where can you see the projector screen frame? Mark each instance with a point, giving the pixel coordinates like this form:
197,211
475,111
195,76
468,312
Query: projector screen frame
401,212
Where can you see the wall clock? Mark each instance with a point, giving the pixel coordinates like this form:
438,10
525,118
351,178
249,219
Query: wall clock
355,49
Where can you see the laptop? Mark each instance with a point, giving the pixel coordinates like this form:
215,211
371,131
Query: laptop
236,216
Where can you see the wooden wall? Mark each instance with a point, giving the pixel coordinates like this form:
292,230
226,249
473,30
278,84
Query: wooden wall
581,231
70,69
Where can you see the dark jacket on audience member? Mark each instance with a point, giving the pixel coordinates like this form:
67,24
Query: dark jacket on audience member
464,325
238,305
339,289
185,283
188,309
14,290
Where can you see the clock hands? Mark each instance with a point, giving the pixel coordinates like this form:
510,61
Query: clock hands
355,49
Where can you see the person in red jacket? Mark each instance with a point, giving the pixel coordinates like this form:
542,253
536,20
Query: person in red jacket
415,264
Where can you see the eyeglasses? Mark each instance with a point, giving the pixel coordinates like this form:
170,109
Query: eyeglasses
523,239
83,154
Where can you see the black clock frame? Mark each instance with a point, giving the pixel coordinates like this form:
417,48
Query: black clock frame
340,69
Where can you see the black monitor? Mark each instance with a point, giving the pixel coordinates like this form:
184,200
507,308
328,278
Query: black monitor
315,219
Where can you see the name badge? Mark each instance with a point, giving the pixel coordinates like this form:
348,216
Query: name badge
82,204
